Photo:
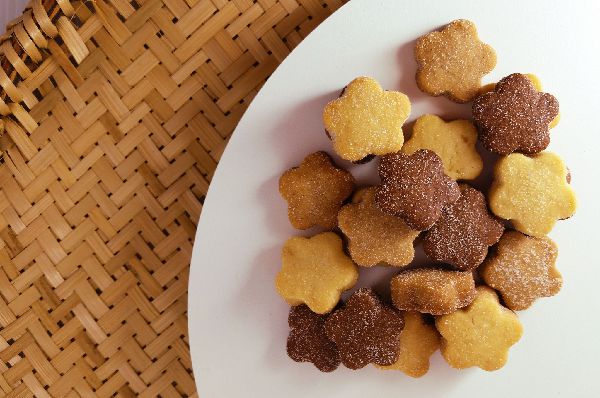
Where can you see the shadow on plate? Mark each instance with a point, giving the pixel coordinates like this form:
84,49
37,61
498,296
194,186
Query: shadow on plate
256,297
301,132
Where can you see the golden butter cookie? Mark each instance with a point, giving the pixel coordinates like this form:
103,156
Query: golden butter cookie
418,341
432,291
480,334
452,61
532,192
523,269
453,141
315,191
366,120
537,84
373,236
315,271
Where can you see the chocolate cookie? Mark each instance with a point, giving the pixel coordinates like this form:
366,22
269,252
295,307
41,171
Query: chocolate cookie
365,331
464,232
415,188
515,116
307,341
537,83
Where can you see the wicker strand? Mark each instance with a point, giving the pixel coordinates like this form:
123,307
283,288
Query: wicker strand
114,116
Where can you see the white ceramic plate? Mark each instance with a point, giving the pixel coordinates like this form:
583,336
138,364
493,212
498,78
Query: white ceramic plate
238,323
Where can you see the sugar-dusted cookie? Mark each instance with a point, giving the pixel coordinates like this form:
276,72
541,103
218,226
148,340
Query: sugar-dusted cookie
315,191
453,141
480,334
315,271
532,192
432,291
373,236
452,61
307,341
365,331
462,235
537,83
366,120
418,341
523,269
415,188
515,116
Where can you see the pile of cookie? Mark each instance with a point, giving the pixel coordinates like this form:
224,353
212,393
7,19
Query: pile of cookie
490,255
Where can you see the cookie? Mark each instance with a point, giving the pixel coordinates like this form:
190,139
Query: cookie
415,188
365,331
418,341
307,341
366,120
454,142
464,232
537,83
532,192
523,270
432,291
373,236
452,61
479,335
315,271
515,117
315,191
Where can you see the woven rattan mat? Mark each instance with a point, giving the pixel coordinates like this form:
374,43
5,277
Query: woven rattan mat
114,116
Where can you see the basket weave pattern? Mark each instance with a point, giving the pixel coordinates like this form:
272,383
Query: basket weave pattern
114,114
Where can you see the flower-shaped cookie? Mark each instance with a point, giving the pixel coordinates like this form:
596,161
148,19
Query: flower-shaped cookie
464,232
415,188
315,271
315,191
452,61
479,335
365,331
366,120
537,83
532,192
307,341
432,291
418,341
523,269
454,142
515,116
373,236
